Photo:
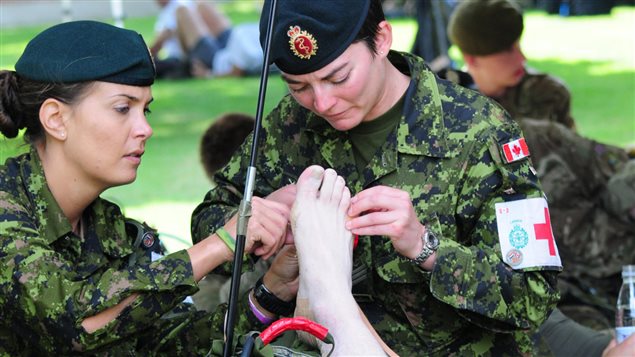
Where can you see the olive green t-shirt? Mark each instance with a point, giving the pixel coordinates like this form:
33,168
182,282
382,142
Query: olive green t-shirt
367,137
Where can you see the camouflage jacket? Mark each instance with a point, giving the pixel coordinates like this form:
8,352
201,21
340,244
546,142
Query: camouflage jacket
52,278
446,153
539,96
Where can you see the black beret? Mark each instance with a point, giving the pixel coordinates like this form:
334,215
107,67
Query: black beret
485,27
81,51
309,34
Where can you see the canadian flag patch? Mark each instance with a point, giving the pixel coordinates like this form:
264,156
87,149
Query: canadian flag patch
515,150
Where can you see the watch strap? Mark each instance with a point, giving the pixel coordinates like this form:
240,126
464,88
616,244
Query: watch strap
267,300
428,248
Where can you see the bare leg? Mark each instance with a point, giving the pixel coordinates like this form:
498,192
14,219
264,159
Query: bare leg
324,249
190,28
215,20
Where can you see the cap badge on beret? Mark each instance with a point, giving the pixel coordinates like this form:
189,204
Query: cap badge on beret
302,43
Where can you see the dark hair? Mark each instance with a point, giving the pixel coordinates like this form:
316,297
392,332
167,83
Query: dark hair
21,99
222,139
370,27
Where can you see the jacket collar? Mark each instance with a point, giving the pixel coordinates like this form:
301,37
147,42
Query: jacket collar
100,217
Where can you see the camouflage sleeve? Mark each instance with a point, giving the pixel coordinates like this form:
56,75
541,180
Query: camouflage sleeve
561,104
549,98
163,284
47,295
470,273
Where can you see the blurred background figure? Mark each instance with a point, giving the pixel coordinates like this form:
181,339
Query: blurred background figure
204,43
222,138
589,184
431,41
166,48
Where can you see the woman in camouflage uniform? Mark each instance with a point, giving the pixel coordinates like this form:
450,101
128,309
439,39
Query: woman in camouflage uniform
73,279
424,158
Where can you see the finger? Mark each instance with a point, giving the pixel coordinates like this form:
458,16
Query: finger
384,191
285,195
264,204
266,230
288,238
383,198
269,220
267,246
373,219
380,230
391,224
268,240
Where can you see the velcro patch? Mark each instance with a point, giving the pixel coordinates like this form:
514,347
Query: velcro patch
515,150
525,234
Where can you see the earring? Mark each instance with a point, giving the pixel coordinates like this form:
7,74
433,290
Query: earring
63,134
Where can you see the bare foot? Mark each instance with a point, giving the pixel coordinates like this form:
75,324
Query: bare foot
318,216
325,249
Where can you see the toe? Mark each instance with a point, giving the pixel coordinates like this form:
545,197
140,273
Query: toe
309,181
328,185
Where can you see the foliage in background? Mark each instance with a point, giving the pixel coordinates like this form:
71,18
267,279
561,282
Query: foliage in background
595,56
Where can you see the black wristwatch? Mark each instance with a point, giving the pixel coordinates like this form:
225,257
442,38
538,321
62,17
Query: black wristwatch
270,302
430,245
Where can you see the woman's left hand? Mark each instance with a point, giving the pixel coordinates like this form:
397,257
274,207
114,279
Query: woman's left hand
286,196
267,227
387,211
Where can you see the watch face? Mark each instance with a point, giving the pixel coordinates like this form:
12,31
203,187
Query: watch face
433,242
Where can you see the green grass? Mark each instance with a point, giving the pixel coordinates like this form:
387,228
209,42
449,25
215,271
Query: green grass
595,56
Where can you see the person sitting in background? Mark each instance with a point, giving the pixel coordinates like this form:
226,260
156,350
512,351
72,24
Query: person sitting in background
222,138
169,57
487,32
213,46
587,182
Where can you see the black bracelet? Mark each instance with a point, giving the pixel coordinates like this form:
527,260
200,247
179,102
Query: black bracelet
270,302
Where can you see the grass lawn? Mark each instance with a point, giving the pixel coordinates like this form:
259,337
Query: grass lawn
594,55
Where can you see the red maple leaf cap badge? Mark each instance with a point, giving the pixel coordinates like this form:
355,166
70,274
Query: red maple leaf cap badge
302,43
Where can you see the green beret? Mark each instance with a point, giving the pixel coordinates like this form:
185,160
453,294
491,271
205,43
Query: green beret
81,51
308,35
483,27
